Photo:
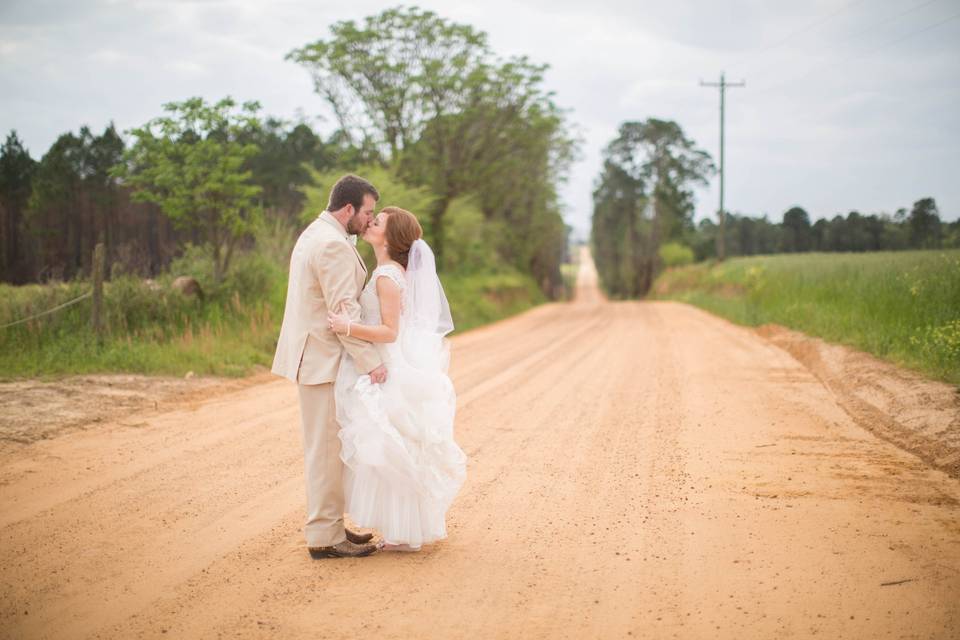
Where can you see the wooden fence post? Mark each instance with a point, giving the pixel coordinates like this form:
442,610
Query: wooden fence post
97,318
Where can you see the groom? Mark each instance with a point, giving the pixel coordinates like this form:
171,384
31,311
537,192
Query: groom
327,273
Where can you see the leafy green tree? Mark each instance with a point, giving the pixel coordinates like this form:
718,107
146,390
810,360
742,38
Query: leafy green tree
17,169
924,224
750,236
796,230
387,78
704,240
872,231
620,230
895,236
191,164
52,222
102,197
769,236
74,203
649,171
951,235
837,237
281,167
857,238
429,96
509,144
520,159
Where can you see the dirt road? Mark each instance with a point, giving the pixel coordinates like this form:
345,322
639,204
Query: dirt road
637,470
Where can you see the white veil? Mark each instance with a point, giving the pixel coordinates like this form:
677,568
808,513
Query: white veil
426,307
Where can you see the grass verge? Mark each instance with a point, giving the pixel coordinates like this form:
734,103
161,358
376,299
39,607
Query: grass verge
901,306
153,329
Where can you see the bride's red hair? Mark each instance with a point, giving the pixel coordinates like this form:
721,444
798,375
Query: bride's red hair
403,229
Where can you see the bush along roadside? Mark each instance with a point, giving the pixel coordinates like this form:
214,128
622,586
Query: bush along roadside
226,329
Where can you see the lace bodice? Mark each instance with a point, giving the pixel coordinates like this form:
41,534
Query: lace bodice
370,301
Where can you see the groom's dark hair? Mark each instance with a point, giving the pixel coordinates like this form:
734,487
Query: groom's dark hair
350,189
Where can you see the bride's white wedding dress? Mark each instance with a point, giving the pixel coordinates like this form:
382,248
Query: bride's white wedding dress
402,465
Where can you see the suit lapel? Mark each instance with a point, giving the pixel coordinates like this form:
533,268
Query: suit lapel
363,265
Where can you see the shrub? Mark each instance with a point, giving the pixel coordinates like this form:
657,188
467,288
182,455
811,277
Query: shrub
675,254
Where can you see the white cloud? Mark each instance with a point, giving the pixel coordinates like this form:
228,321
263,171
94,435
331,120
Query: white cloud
185,67
8,48
833,117
112,57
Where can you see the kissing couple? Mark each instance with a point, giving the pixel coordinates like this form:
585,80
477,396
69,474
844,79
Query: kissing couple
370,362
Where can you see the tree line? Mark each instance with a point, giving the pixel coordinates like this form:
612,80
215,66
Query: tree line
424,98
919,227
54,210
643,215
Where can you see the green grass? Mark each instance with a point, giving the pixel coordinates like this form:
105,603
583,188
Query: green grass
478,299
901,306
152,329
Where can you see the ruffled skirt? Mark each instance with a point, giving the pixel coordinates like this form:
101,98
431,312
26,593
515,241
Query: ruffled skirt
402,467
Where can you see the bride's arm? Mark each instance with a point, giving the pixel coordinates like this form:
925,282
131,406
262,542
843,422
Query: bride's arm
389,293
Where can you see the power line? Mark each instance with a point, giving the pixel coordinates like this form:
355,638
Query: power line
861,32
914,33
863,53
816,23
857,34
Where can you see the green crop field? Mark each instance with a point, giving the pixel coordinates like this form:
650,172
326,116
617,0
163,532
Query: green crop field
901,306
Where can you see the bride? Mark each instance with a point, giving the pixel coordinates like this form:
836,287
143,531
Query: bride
402,466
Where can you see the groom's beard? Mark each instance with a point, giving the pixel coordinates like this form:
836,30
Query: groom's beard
354,227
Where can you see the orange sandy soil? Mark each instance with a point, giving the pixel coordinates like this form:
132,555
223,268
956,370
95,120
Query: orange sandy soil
641,470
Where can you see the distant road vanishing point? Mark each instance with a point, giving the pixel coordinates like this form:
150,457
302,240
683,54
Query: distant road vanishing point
637,469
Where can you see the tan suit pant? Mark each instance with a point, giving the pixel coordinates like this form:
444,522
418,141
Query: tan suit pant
324,469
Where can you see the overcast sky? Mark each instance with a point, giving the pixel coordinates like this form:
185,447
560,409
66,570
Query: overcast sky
848,105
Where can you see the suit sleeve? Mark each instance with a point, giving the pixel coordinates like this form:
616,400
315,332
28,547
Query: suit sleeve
333,269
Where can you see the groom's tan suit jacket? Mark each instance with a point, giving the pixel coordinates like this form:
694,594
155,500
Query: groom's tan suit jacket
326,273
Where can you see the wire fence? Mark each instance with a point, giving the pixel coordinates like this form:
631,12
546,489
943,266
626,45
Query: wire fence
48,311
96,292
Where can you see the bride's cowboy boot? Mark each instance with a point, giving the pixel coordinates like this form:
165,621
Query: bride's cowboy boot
345,549
359,538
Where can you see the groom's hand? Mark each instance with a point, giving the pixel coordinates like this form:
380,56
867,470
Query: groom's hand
379,375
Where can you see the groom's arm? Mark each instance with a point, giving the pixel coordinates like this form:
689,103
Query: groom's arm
389,294
334,272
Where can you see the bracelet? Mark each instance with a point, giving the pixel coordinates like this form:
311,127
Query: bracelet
348,328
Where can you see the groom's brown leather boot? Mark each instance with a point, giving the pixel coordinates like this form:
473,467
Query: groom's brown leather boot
358,538
345,549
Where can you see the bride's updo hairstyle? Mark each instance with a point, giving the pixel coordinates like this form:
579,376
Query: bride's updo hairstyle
402,231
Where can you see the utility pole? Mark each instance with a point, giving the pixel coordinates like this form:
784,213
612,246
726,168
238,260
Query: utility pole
723,84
